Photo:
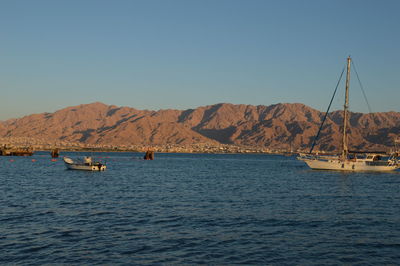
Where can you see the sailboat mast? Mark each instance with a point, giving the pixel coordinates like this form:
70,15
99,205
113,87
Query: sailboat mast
345,113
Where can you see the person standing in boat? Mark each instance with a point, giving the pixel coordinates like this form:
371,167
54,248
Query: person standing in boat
87,160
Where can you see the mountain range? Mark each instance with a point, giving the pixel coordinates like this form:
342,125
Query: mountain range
284,126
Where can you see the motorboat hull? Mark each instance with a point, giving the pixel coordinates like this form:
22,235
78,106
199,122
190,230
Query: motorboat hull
86,167
71,165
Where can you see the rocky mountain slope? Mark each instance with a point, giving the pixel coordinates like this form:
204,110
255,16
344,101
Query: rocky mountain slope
276,126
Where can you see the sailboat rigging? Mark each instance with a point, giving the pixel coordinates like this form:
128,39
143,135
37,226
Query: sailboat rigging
346,161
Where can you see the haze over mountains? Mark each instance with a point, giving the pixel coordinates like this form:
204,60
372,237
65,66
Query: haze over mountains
281,126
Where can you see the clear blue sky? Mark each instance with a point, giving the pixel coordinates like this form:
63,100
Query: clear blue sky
183,54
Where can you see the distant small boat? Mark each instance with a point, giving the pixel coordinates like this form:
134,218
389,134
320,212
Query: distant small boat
86,165
5,151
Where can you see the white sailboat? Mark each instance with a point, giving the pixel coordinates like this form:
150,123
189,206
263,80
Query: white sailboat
347,161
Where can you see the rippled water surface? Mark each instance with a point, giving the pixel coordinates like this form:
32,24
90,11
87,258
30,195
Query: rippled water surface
195,209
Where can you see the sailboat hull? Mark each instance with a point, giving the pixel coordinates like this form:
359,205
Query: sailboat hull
349,165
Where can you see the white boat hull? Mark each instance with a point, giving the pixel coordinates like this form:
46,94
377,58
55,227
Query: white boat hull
86,167
70,164
348,165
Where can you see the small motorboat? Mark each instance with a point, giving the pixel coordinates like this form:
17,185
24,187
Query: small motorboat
85,165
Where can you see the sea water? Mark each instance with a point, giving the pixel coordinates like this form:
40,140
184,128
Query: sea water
195,209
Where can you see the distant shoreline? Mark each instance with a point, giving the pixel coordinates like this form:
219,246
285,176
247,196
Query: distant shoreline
203,148
188,152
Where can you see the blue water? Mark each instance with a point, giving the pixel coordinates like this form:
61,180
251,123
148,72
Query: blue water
196,209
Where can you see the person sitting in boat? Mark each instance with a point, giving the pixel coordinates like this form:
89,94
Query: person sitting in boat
87,160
